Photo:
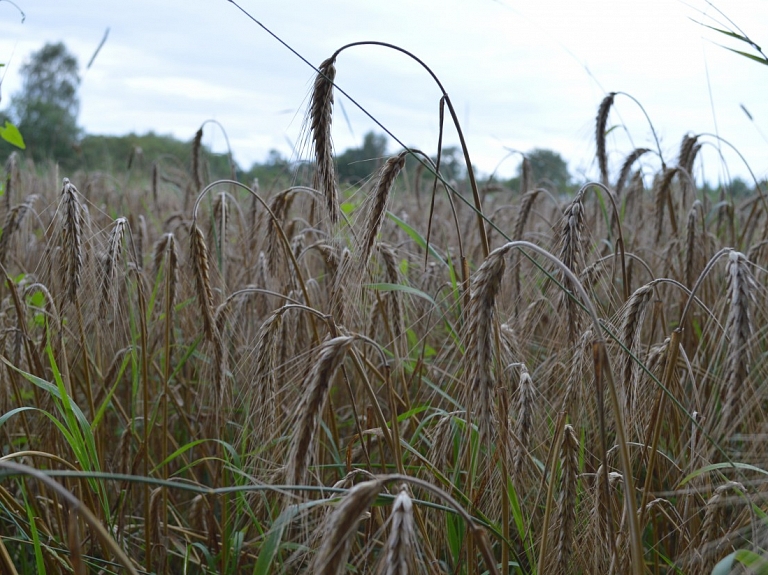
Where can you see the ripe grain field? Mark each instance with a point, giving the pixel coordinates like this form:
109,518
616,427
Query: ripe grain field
207,377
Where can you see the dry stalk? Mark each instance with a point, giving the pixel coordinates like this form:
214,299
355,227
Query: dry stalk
74,543
141,241
154,522
11,178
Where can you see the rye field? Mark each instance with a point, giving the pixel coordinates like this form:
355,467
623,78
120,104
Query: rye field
409,376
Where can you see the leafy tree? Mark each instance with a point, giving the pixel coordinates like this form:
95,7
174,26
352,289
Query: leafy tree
115,153
274,173
46,109
549,169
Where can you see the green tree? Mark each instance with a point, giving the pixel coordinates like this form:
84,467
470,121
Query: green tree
46,109
549,170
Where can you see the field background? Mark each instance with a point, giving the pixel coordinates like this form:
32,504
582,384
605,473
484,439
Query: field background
381,362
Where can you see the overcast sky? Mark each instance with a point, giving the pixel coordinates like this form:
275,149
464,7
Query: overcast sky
521,74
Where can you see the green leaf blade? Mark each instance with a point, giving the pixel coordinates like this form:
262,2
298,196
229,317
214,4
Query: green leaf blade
11,134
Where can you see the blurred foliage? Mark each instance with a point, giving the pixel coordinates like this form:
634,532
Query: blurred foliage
118,153
45,110
549,170
356,165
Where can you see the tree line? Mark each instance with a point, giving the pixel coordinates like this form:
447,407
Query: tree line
44,113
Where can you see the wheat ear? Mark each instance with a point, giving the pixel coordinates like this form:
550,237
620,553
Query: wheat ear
341,527
571,255
13,220
566,508
321,115
626,168
71,239
479,355
524,422
689,148
691,244
200,262
316,384
631,326
602,121
264,406
526,204
708,541
378,209
401,536
660,199
526,176
738,326
111,263
196,145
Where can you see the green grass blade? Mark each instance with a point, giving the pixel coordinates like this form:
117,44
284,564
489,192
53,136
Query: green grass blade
40,564
416,237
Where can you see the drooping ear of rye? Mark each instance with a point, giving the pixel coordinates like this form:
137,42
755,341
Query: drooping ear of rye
111,263
566,507
524,421
401,536
571,254
738,326
196,145
200,262
316,385
341,527
479,355
71,239
602,121
626,168
631,327
378,208
526,176
321,115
